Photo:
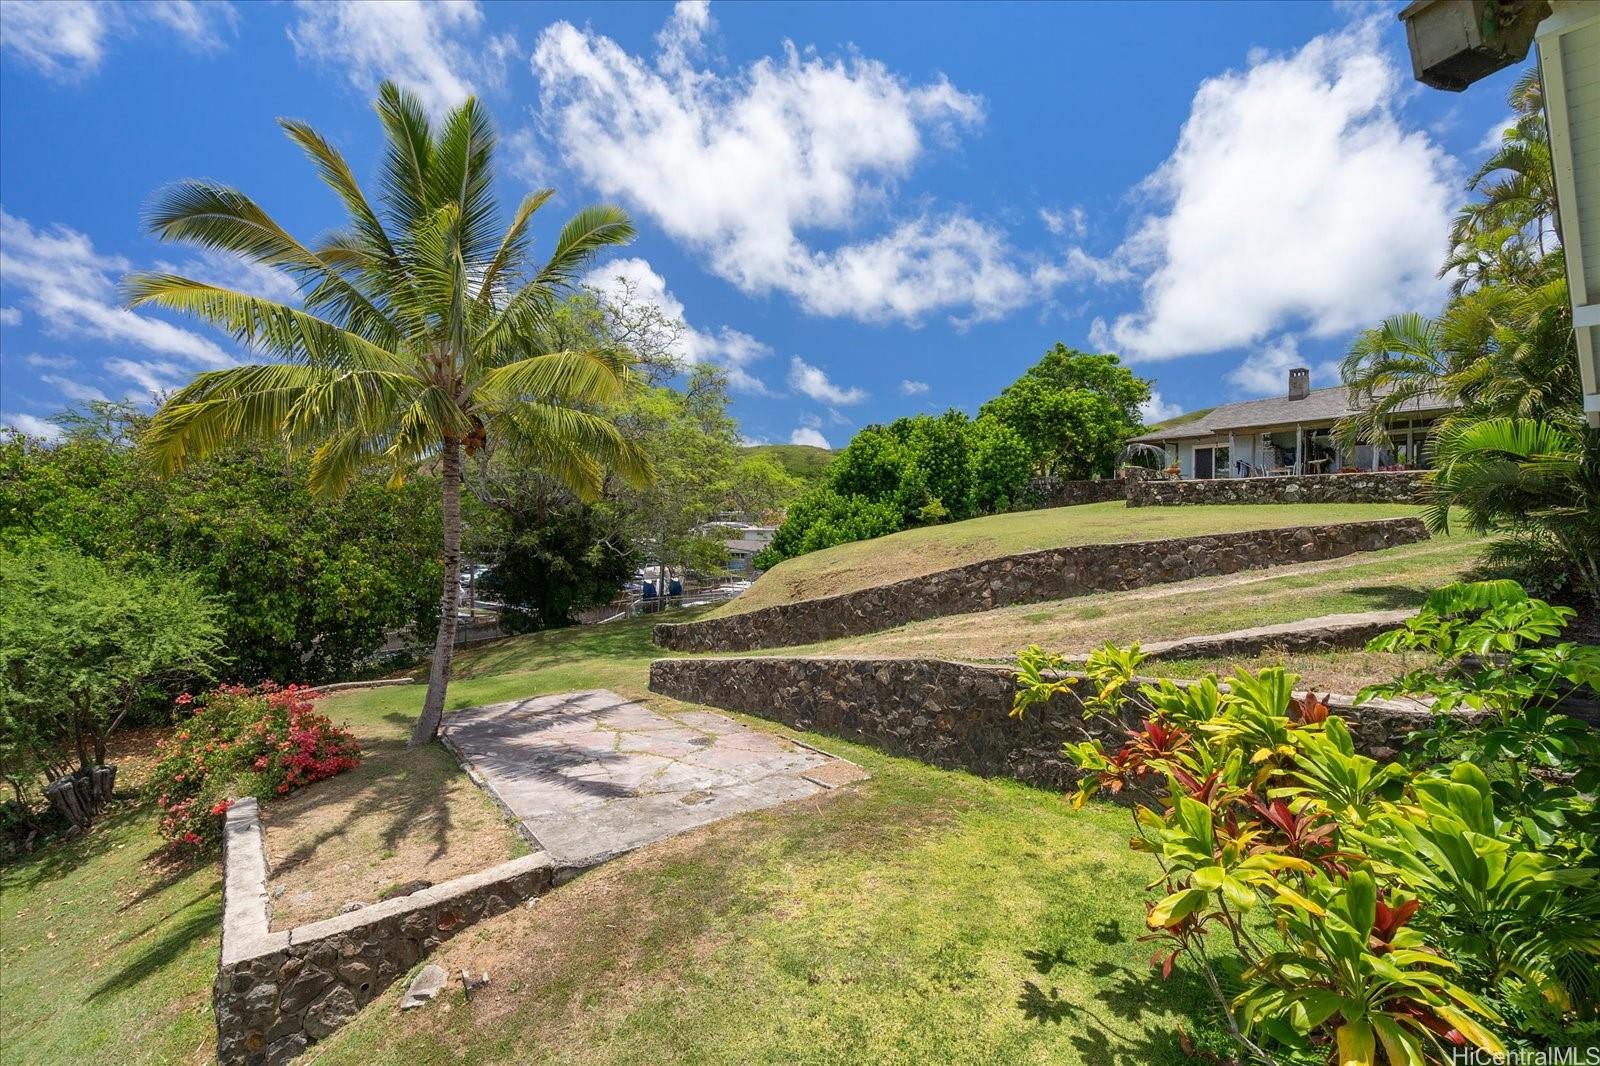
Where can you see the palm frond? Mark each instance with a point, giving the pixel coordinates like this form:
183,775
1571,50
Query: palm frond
263,325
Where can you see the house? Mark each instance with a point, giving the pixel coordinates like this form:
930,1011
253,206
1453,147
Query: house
742,539
1290,434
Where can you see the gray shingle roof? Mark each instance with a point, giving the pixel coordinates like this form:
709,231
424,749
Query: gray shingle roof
1319,405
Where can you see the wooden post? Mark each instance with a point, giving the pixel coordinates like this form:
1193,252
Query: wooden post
1233,458
1299,451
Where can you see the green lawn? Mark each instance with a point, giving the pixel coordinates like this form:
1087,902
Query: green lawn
1392,579
914,552
923,916
106,955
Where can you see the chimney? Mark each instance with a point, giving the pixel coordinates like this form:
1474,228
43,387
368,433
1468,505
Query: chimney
1299,383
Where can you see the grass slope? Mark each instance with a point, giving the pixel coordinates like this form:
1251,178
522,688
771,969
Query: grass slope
1392,579
914,552
921,916
924,916
800,460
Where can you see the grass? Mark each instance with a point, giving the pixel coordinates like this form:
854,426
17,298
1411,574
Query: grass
106,952
1391,579
921,916
402,814
915,552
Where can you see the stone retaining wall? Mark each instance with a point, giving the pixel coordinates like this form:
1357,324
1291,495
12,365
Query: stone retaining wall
1402,486
1052,574
950,714
277,992
1054,492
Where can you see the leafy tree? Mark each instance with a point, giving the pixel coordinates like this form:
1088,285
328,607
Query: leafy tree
1074,410
308,588
822,518
555,561
425,330
1000,463
82,645
939,450
872,465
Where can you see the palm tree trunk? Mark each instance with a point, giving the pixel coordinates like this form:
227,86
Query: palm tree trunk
444,647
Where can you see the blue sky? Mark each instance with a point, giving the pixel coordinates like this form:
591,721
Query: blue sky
860,210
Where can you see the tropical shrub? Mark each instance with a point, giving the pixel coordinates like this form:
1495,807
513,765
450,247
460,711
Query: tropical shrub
1001,466
1377,911
822,518
236,741
83,646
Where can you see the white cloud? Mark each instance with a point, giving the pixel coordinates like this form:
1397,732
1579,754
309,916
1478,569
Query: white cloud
432,47
230,271
73,289
1294,199
67,40
10,316
62,39
151,376
1155,409
809,435
524,159
741,165
913,388
201,23
76,391
731,349
50,362
1071,222
31,426
813,382
1494,135
1265,372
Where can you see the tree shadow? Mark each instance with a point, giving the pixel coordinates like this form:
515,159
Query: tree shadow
1388,597
386,784
1045,961
180,931
1110,932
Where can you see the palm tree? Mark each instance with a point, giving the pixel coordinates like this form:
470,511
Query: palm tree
1537,482
424,331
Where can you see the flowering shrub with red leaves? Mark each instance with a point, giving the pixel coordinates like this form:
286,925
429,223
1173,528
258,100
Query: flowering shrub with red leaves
240,741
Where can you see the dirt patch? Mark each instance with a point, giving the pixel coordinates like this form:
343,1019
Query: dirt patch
403,814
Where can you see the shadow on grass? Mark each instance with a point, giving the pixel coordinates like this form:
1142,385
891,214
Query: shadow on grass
572,645
200,919
1128,1022
1389,597
57,859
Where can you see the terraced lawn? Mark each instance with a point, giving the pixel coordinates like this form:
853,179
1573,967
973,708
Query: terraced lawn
922,916
1395,578
915,552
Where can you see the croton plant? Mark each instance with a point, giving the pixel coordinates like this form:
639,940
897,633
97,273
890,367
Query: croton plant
1356,910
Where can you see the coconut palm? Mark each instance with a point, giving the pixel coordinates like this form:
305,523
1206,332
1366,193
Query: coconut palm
423,330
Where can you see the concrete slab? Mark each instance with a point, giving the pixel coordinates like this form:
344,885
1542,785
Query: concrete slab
591,775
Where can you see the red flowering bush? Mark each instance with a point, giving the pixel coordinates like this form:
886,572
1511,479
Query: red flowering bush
239,741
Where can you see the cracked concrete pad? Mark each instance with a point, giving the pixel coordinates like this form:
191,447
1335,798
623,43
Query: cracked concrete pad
591,775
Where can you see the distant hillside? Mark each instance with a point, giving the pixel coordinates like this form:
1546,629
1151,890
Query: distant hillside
800,460
1181,420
